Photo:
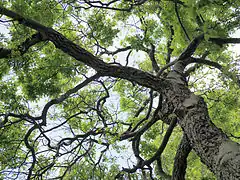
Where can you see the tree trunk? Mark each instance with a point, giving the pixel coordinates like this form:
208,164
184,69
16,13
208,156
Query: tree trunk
215,149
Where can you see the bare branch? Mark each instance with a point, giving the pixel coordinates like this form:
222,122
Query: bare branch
146,126
109,5
164,141
158,153
65,96
148,112
206,62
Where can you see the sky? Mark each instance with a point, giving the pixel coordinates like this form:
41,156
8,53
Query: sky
236,47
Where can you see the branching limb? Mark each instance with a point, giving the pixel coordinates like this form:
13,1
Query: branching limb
105,6
166,67
114,52
187,53
148,112
155,94
26,117
150,101
164,142
146,126
206,62
82,55
65,96
85,4
34,39
141,164
193,68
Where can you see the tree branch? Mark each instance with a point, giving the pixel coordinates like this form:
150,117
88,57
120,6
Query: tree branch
221,41
169,49
114,52
191,47
34,39
152,58
206,62
188,52
164,141
65,96
80,54
193,68
180,161
158,153
179,20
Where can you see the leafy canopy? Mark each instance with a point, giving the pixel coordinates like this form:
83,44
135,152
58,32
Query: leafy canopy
85,126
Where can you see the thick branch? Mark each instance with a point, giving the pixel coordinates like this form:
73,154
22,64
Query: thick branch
180,161
191,47
193,68
86,57
152,58
221,41
34,39
206,62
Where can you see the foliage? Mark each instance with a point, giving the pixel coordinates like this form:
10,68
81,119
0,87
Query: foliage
88,114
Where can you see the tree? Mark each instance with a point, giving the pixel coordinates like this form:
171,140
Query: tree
74,93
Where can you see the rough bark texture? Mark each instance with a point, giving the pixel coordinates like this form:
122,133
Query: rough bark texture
180,161
216,150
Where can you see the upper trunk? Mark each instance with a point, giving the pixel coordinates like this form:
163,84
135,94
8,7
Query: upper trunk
216,150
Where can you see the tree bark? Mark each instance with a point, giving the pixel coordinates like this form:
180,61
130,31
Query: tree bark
180,161
215,149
